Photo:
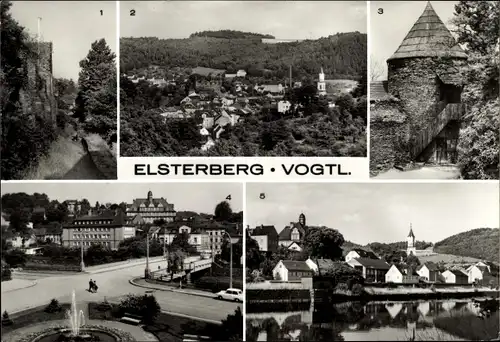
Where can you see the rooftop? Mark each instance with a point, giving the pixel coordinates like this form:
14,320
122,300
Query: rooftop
428,37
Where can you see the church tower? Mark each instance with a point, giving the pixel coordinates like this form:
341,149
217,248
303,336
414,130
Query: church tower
321,83
410,243
150,196
302,220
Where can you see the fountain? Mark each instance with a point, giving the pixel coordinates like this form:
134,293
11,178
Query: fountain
77,331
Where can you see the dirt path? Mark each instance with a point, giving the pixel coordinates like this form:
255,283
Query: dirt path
66,159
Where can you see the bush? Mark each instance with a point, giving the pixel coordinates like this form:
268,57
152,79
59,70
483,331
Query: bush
145,306
6,319
15,258
357,289
6,274
53,306
62,119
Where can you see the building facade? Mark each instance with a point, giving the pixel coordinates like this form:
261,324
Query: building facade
321,83
152,209
266,237
107,229
288,270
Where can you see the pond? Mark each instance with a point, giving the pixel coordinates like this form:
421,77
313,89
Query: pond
435,320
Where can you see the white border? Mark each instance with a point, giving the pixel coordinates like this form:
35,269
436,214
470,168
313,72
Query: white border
118,89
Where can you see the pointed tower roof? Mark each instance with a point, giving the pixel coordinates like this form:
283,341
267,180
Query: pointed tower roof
428,37
410,234
321,71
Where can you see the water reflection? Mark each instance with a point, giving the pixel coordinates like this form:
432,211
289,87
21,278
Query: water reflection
377,321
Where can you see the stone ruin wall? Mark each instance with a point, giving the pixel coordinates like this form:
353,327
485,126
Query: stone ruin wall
37,97
416,83
389,140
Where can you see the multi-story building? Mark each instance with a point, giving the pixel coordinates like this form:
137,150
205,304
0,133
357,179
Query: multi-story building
152,209
266,237
108,228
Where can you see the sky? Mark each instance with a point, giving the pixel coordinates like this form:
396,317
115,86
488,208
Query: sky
388,30
377,212
72,26
198,197
284,20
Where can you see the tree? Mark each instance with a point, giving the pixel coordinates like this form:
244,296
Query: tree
96,100
323,242
223,211
252,255
175,262
477,26
412,261
181,242
232,327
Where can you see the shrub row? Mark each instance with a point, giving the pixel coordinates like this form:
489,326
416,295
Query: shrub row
216,284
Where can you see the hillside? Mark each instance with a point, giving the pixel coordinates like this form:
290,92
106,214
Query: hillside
481,243
342,55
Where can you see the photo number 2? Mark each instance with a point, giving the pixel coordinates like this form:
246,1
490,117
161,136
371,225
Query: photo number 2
132,12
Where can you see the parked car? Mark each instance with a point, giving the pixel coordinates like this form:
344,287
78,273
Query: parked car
230,294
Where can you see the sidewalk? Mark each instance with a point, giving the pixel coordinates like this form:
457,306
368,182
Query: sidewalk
16,284
140,282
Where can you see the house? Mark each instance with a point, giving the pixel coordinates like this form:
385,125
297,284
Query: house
48,233
208,121
295,232
289,270
455,277
208,72
294,246
273,89
218,130
231,75
357,253
266,237
317,265
284,106
373,270
429,271
204,131
152,209
401,275
227,101
241,73
478,272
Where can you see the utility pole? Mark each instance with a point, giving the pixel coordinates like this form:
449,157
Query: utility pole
146,271
230,261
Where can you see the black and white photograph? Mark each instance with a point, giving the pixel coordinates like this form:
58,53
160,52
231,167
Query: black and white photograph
108,262
372,261
434,94
243,78
59,86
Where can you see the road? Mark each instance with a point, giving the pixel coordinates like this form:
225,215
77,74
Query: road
113,284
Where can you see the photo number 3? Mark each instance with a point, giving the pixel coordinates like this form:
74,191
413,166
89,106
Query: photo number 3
380,11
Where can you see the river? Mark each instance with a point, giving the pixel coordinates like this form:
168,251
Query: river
435,320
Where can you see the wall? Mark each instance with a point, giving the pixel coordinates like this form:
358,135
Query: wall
415,82
38,94
389,136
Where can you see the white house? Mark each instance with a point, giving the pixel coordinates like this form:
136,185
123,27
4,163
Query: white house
204,131
400,275
477,272
429,271
294,246
324,264
284,106
241,73
455,277
227,102
357,253
373,270
289,270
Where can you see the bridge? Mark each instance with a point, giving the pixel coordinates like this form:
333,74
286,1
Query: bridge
190,265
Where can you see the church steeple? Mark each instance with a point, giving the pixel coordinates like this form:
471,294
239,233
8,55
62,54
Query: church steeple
410,234
321,83
302,219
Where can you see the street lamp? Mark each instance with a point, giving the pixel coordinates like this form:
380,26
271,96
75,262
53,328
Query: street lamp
230,261
147,271
82,263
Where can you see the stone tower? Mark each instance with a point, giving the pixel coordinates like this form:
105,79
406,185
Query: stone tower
321,83
410,243
424,73
302,220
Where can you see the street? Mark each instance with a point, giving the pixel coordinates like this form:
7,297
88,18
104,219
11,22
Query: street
113,284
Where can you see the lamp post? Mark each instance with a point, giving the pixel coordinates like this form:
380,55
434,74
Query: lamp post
146,271
230,260
82,263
